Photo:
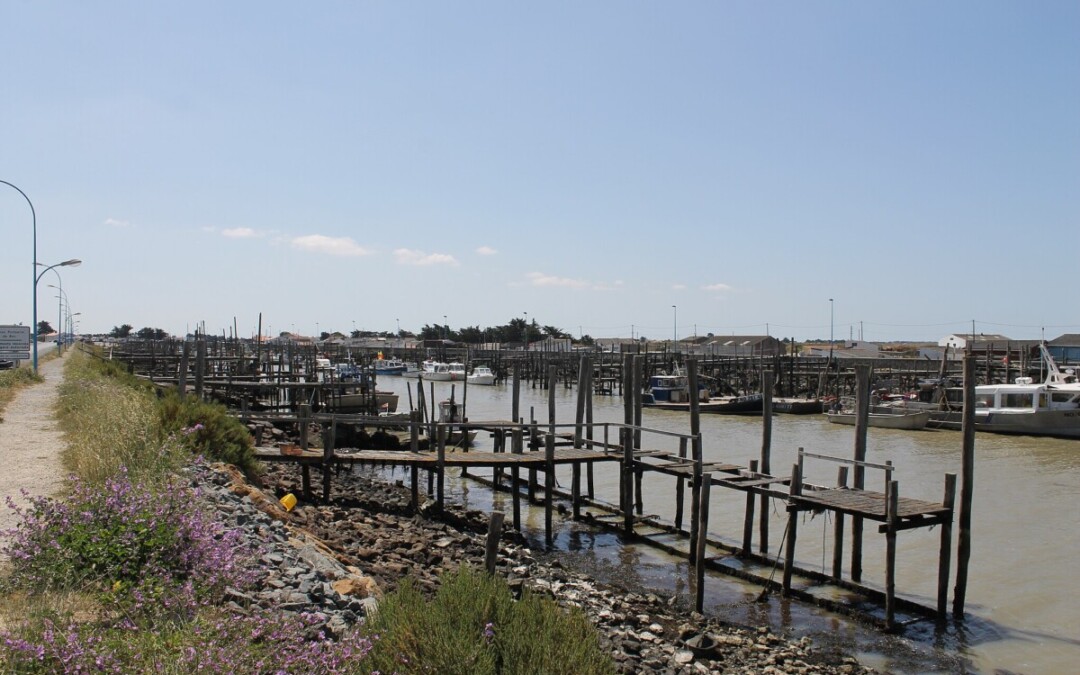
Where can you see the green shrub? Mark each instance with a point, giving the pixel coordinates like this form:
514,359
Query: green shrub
207,429
110,421
473,625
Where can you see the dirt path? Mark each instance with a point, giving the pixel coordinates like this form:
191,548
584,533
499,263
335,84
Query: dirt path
31,442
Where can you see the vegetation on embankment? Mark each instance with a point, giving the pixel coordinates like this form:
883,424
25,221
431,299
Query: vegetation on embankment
127,573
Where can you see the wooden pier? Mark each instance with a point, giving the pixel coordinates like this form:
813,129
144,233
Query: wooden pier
538,448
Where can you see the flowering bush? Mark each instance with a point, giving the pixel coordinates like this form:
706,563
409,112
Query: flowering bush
141,549
206,429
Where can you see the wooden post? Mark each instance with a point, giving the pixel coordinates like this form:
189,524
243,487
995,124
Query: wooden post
491,548
748,520
627,438
838,529
695,450
892,500
328,457
680,487
185,354
200,366
862,394
700,543
440,467
303,419
793,527
414,430
590,487
967,487
945,552
516,448
549,459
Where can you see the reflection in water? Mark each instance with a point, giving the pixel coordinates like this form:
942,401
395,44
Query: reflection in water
1022,613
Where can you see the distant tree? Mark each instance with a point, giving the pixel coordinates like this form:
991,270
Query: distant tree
587,340
324,335
43,328
354,334
152,333
121,331
471,334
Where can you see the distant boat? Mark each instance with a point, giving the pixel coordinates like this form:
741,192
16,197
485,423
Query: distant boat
883,417
1049,408
798,406
482,375
672,392
457,371
391,366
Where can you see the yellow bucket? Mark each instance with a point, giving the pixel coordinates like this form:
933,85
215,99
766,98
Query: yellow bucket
288,501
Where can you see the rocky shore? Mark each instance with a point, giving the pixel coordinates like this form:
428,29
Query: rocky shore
335,560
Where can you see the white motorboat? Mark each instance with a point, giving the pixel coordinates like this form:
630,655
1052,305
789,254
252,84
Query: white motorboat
482,375
882,417
457,371
1049,408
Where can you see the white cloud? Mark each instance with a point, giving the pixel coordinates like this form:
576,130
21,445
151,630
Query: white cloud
113,222
407,256
240,233
486,250
541,279
717,288
319,243
678,287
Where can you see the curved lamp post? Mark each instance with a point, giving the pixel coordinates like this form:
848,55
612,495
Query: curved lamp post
61,300
33,217
74,262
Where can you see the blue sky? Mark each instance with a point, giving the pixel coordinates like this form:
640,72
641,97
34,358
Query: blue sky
365,164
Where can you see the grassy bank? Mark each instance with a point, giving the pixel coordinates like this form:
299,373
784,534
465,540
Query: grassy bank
127,574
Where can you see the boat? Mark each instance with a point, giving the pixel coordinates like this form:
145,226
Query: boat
798,406
450,413
1048,408
481,375
431,371
674,388
457,371
391,366
361,403
672,392
882,417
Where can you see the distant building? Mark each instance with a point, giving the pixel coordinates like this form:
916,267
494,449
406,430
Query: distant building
733,345
961,341
1065,349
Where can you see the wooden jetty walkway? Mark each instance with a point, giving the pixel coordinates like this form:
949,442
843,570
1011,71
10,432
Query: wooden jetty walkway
538,448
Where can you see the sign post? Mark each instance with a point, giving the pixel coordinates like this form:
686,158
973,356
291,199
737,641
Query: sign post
14,343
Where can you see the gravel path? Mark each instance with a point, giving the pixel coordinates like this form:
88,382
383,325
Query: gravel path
31,442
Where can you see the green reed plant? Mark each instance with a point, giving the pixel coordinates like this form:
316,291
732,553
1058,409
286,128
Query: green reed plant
473,625
110,420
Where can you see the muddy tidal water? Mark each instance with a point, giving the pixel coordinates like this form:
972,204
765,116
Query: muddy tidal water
1023,604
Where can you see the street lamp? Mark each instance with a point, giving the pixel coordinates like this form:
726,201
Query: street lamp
74,262
830,329
526,330
61,299
33,218
446,327
675,328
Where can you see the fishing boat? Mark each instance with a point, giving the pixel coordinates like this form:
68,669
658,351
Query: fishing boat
431,371
1049,408
672,392
674,388
391,366
798,406
882,417
482,375
457,371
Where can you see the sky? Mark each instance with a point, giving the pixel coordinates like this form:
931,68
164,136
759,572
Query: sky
870,170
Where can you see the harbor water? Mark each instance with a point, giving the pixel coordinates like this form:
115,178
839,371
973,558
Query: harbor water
1022,609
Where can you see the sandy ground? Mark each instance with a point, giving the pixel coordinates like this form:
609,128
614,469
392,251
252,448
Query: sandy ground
31,442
